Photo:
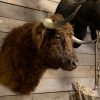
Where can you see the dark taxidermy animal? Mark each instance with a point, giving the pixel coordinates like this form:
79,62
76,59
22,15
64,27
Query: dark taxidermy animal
88,15
29,50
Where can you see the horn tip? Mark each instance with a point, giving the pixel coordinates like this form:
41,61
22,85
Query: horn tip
47,21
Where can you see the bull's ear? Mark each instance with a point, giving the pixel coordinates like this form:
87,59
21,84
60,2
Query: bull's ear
38,32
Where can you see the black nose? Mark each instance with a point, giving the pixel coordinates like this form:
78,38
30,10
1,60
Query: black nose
74,64
70,63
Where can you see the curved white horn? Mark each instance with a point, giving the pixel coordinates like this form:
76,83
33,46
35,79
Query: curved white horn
76,40
48,23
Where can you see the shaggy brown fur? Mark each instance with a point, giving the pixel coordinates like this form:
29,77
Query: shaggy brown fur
27,52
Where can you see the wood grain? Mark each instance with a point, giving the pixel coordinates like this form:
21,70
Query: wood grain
80,72
52,96
21,13
43,5
53,85
7,24
17,97
44,96
62,84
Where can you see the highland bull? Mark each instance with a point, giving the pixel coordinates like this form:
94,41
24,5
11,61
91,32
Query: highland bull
29,50
88,15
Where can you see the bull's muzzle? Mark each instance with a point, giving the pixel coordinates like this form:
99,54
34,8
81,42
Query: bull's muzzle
69,63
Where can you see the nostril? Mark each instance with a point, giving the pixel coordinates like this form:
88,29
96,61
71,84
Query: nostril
74,64
69,61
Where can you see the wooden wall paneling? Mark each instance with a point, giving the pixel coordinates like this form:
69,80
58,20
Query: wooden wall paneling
44,96
86,49
43,5
47,5
52,96
53,85
17,97
86,59
24,3
4,91
7,24
79,72
17,12
62,84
